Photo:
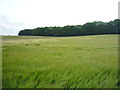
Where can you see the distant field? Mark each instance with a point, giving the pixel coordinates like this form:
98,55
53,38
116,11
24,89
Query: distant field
60,62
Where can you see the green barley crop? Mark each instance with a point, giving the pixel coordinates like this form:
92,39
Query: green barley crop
60,62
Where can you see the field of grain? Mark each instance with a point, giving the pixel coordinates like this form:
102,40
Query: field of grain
60,62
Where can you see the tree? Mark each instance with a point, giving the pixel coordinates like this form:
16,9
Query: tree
26,32
91,28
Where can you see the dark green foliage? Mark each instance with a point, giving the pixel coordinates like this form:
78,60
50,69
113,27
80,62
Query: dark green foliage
93,28
25,32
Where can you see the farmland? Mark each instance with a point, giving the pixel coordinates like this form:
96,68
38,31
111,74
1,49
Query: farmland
60,62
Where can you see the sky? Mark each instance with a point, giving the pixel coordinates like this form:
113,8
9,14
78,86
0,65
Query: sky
16,15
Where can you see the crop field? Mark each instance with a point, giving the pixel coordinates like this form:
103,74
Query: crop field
60,62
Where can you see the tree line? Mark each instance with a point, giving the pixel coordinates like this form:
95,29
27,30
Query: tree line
91,28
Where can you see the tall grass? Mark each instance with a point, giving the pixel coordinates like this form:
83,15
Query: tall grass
60,62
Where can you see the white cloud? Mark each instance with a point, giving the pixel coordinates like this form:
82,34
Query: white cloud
9,27
36,13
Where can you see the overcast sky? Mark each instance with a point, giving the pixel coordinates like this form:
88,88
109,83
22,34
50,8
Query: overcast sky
16,15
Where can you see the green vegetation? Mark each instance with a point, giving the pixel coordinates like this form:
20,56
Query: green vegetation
60,62
91,28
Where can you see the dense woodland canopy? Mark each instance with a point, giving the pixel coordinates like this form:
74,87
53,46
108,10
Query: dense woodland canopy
91,28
